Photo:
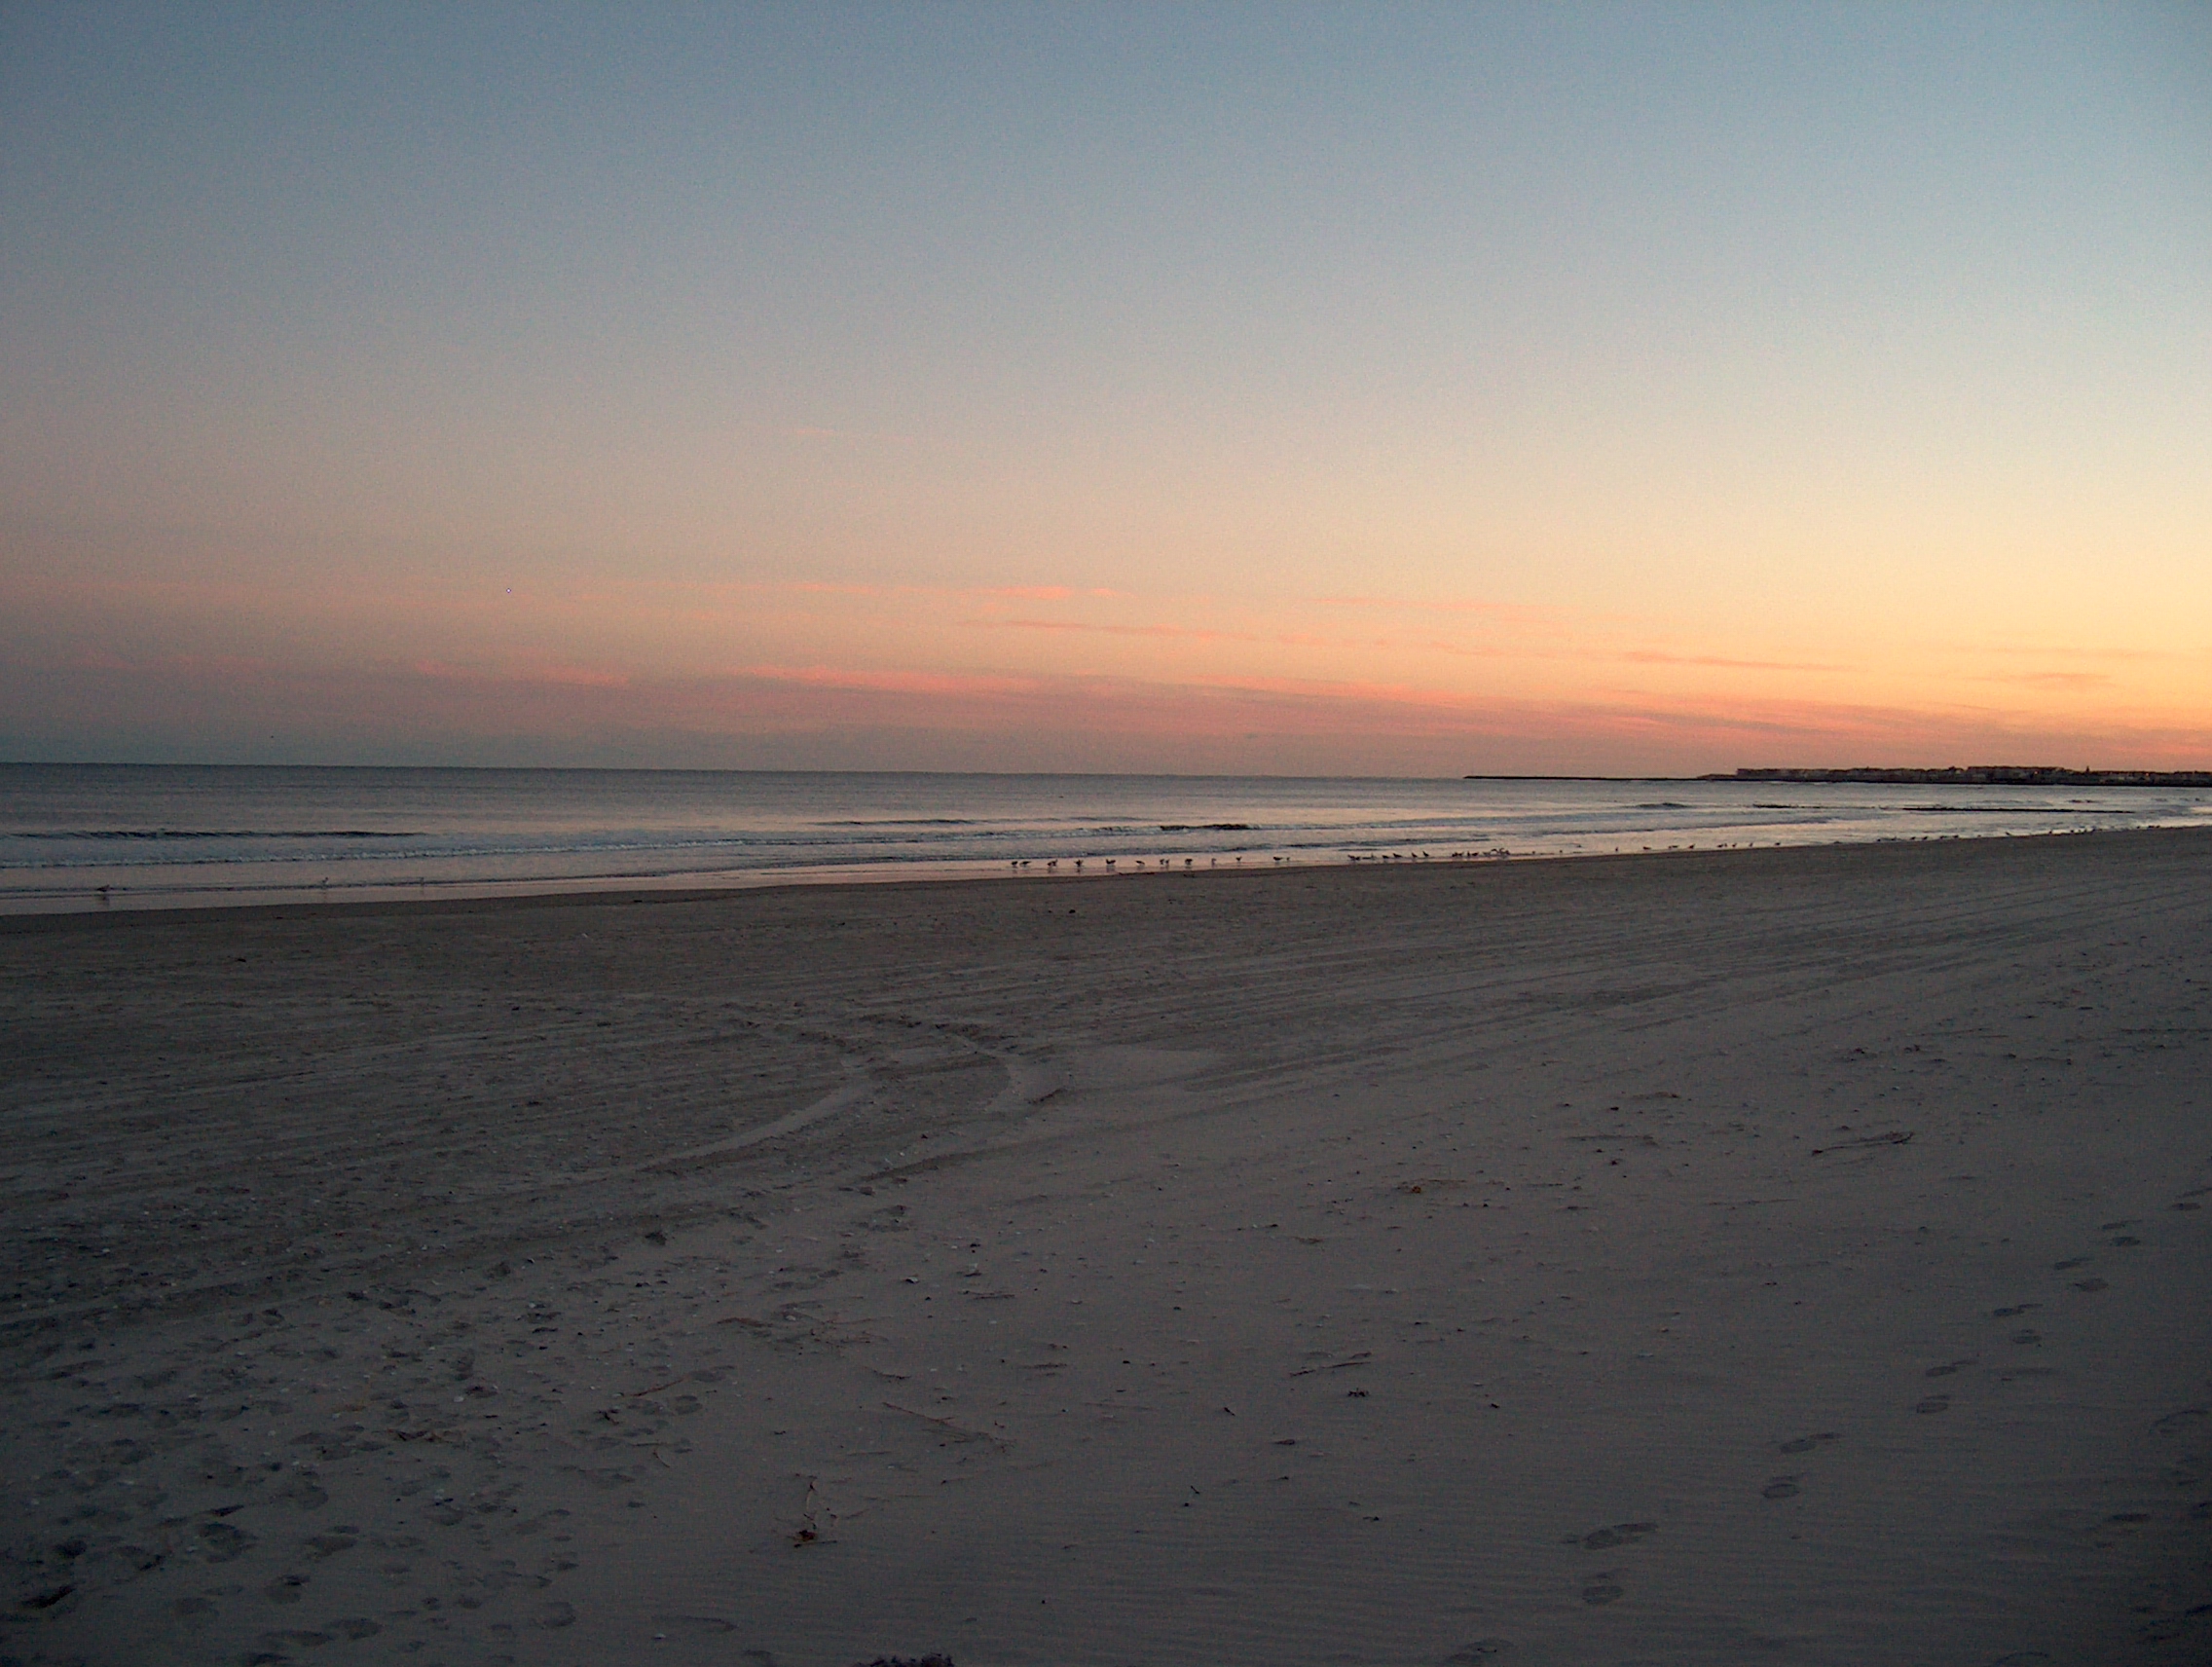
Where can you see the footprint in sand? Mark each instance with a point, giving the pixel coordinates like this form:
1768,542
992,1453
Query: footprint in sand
303,1640
1601,1590
695,1626
2015,1312
1806,1443
2091,1286
224,1543
1780,1488
1935,1403
2070,1263
1946,1371
1620,1533
1482,1649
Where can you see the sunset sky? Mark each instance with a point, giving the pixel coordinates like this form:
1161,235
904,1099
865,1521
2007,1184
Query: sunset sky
1351,389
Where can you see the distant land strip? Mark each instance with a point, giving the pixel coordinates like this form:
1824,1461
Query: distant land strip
1983,776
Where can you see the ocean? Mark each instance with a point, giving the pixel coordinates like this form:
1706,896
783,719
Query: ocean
76,836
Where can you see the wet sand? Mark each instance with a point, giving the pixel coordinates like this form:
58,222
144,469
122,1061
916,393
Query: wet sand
1774,1255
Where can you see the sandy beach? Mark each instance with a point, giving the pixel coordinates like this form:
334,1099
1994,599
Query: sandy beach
1782,1255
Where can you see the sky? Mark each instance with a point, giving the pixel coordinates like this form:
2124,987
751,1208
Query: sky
1342,389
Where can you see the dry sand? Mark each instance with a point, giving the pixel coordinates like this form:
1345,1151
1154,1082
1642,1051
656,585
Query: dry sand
1786,1256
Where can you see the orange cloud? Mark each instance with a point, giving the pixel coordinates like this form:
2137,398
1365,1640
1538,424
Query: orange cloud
2075,680
1659,657
1425,605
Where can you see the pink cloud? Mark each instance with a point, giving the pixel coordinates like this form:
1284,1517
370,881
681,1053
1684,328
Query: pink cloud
1188,633
1659,657
960,683
829,716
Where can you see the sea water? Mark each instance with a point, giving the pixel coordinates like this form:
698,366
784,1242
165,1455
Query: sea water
90,835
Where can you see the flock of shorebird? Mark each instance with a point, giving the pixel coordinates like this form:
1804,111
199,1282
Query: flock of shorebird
1053,864
1166,865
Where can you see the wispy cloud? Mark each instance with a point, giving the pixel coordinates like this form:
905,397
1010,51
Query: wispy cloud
551,673
2049,651
1183,633
1660,657
2068,680
828,714
966,685
1515,610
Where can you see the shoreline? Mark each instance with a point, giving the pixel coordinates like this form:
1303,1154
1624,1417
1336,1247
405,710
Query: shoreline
1545,1261
402,895
138,839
